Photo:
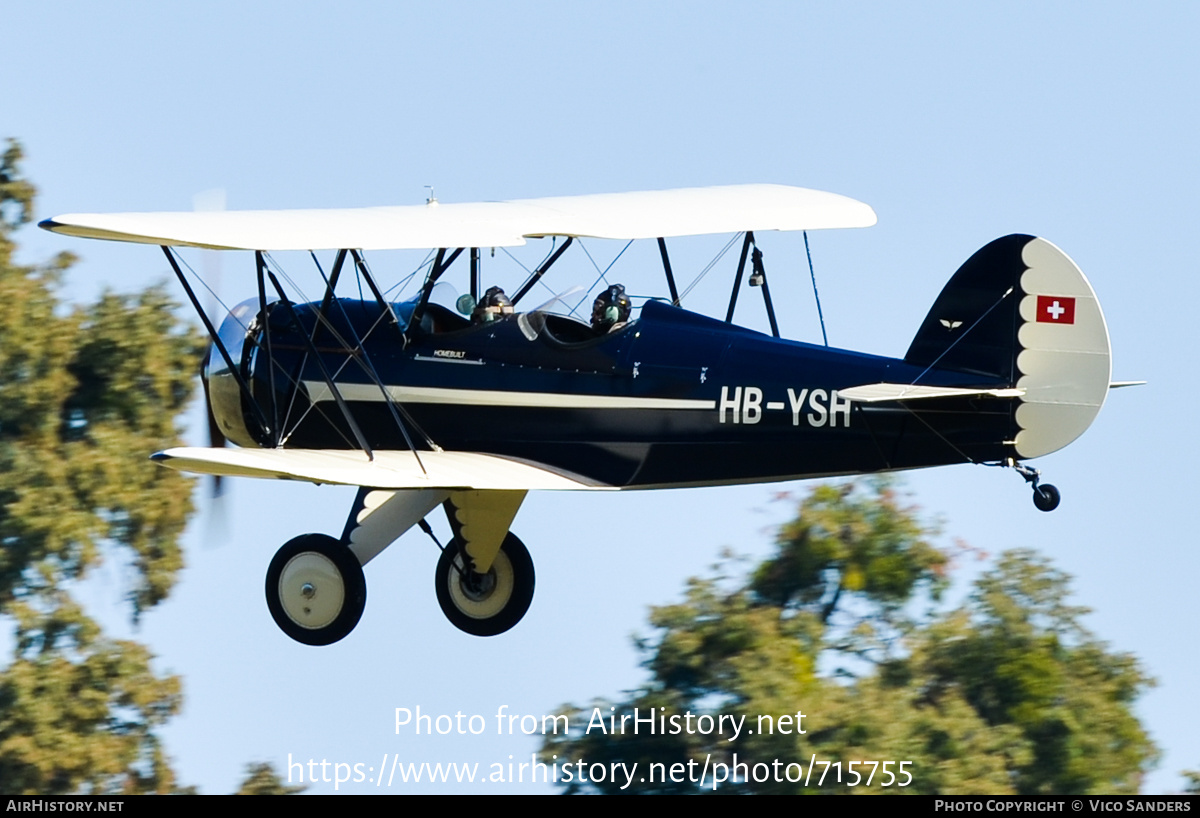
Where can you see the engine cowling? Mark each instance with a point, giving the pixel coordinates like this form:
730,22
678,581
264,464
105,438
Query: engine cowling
227,403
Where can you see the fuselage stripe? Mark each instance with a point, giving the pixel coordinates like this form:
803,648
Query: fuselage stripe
318,391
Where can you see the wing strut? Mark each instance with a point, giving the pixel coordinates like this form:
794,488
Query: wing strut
212,333
662,249
440,265
387,307
261,265
330,284
759,279
368,366
541,271
316,356
475,274
737,280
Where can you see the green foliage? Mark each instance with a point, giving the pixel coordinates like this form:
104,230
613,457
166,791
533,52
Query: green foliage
86,393
16,196
847,541
1008,693
78,711
261,779
1021,657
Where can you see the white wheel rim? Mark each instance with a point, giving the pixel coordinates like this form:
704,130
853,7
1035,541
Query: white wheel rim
311,590
494,599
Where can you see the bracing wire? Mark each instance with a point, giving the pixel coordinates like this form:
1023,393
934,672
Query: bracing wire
817,296
711,264
603,273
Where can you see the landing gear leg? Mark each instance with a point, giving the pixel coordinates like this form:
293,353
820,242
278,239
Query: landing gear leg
1045,496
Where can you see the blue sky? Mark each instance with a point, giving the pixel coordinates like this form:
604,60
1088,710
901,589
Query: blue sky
958,123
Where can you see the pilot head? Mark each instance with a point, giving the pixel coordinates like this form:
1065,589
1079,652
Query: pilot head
493,305
610,309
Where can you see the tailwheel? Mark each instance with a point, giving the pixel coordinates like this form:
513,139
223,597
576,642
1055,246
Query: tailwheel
490,603
1046,497
316,590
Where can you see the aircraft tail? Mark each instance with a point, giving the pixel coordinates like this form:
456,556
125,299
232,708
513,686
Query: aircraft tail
1022,311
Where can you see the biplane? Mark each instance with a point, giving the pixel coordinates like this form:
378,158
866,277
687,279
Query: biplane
421,405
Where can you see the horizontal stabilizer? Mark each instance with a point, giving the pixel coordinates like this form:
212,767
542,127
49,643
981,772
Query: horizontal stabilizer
879,392
389,470
1120,384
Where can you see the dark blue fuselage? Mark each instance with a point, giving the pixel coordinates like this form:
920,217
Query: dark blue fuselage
672,399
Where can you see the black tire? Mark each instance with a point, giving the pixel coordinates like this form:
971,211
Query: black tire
336,593
1046,497
491,603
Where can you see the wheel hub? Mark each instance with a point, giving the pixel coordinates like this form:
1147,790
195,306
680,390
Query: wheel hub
311,590
481,596
478,587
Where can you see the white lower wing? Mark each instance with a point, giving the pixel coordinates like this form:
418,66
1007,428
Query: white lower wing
389,470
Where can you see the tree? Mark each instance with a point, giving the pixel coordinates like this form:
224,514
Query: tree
1008,693
261,779
85,394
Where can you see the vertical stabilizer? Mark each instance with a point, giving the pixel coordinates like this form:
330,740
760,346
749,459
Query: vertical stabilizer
1020,310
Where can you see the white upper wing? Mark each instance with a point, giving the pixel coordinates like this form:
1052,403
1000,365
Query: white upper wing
639,215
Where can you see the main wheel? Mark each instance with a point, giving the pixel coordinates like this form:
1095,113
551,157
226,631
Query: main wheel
316,590
485,604
1046,497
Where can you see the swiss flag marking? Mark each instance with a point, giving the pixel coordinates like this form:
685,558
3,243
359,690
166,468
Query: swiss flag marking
1055,309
